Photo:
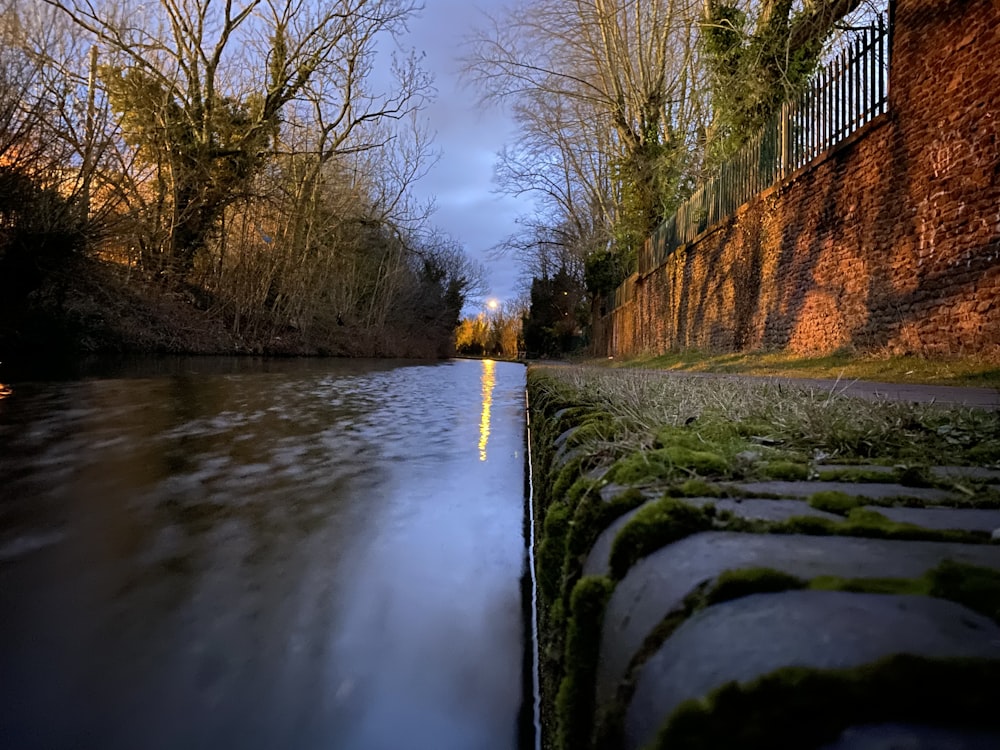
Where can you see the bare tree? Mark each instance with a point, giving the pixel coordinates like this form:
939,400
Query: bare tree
202,89
41,225
627,67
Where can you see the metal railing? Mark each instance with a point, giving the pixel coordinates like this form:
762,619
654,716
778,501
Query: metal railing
624,293
848,92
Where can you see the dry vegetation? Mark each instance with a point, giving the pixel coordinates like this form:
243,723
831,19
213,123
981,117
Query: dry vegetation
845,365
799,421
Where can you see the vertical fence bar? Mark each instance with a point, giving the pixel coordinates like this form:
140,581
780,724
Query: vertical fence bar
863,78
803,134
824,100
881,64
807,125
873,71
847,76
863,72
838,100
850,73
815,119
849,92
831,98
853,88
835,101
824,115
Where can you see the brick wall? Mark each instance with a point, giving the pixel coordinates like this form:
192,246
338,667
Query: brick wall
889,241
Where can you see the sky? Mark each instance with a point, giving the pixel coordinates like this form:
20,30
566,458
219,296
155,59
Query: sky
468,137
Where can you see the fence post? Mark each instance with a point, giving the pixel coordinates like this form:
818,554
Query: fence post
786,141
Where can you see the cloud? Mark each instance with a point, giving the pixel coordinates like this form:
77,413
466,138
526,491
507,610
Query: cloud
469,137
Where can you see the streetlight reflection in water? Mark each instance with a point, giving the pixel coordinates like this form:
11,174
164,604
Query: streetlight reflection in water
489,380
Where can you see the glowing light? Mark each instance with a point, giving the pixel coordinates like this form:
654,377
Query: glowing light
5,391
489,380
492,304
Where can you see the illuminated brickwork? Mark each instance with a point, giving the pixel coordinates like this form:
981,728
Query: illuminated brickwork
891,241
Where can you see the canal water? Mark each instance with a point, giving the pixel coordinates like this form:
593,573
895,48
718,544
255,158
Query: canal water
200,553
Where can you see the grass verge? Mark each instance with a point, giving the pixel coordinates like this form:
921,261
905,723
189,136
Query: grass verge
843,365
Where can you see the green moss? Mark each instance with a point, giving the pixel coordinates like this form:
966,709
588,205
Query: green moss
707,448
610,722
654,526
861,522
593,515
849,474
663,464
869,522
975,587
982,497
865,523
604,423
582,487
869,517
972,586
641,467
677,436
552,549
706,463
733,584
785,470
575,701
985,453
567,475
800,525
704,433
754,427
791,708
711,433
835,502
629,495
914,476
697,488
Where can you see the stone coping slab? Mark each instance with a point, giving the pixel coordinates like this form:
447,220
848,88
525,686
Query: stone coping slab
612,489
855,468
967,472
980,473
961,519
911,737
659,583
873,490
760,509
565,453
596,563
751,509
747,638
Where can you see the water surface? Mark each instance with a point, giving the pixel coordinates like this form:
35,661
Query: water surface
313,554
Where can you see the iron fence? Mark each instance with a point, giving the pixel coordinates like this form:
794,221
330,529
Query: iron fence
850,91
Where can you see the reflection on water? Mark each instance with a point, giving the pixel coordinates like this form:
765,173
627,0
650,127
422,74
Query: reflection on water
297,555
489,381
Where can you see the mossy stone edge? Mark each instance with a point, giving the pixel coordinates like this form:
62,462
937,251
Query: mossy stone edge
574,445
